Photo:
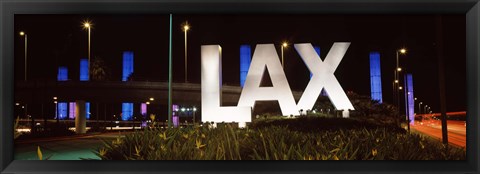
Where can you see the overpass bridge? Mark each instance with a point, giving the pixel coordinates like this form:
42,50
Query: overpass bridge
118,92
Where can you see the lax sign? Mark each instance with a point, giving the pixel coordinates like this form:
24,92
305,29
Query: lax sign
265,56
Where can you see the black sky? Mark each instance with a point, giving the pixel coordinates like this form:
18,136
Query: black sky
59,40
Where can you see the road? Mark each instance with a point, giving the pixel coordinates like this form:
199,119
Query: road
64,148
457,131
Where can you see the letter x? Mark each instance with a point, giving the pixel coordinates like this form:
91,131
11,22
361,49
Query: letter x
323,76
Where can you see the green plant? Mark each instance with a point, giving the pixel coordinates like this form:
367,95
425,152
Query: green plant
274,143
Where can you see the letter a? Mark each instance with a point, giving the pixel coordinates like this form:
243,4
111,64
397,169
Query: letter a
265,56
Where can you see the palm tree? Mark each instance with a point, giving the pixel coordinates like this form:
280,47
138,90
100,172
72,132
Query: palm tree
99,70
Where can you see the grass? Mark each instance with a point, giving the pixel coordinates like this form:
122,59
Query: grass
276,141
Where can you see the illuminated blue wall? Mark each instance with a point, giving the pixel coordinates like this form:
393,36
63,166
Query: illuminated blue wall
411,98
317,49
62,112
84,70
62,74
127,64
245,58
375,77
127,111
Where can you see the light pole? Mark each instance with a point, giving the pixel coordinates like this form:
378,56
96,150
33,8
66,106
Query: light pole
56,109
397,71
284,45
194,110
420,108
26,39
88,26
425,109
186,27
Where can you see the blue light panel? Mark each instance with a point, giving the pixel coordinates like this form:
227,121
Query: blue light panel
127,64
411,98
317,49
375,77
62,110
245,59
84,70
87,110
62,74
127,111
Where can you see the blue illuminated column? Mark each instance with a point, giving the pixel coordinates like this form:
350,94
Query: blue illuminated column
175,118
71,108
62,107
143,112
84,70
245,59
62,74
87,110
127,108
62,110
410,98
375,77
127,111
127,65
143,109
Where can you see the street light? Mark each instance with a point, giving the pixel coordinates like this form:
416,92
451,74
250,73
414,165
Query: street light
88,25
425,109
186,27
194,110
396,74
419,107
26,39
151,99
284,45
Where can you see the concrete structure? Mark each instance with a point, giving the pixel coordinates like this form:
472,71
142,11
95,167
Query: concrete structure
80,119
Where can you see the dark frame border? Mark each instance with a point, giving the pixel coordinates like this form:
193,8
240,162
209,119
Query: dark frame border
10,7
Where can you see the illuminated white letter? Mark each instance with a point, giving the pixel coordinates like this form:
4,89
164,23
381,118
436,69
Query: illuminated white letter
212,90
323,76
265,56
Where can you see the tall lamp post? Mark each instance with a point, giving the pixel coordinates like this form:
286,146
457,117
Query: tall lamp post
420,107
284,45
194,110
425,109
87,25
26,39
397,71
186,27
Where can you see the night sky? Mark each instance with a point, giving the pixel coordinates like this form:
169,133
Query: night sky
60,40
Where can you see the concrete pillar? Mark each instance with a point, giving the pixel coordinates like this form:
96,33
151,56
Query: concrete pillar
80,117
